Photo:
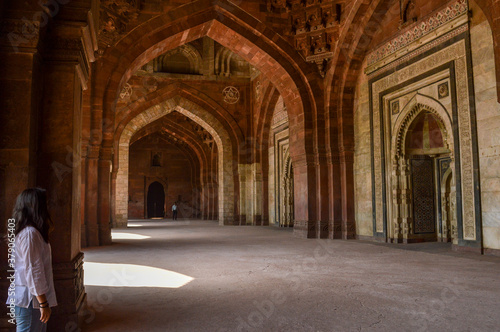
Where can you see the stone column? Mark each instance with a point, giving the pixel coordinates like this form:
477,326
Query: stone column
83,190
406,199
114,174
91,197
257,194
347,176
397,202
104,195
20,85
334,192
59,166
245,198
322,227
305,197
204,201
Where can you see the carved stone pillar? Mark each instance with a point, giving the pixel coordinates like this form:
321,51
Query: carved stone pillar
406,198
453,206
104,195
322,227
347,176
257,194
335,202
211,201
397,201
59,167
20,95
305,198
91,197
114,175
204,201
83,191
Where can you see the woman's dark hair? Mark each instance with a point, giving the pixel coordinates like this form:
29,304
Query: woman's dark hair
31,210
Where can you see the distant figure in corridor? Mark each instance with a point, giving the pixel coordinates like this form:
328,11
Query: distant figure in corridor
174,211
34,284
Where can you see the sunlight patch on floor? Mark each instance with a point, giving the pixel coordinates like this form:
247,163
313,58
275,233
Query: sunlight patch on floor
128,236
130,275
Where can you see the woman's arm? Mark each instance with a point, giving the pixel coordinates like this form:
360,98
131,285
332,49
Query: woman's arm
30,250
45,310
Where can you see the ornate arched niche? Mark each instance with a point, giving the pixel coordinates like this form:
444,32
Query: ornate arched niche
184,59
423,188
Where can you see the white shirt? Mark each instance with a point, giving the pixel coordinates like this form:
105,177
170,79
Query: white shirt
33,269
174,207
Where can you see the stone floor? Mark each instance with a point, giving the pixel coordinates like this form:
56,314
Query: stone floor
197,276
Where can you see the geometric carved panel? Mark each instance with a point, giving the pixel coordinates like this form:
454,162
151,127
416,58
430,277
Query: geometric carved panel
424,219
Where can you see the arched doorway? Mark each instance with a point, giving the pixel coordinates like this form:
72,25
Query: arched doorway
156,200
423,182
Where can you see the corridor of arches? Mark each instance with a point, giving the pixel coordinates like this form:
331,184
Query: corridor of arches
324,119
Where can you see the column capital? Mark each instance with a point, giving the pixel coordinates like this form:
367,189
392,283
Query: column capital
19,36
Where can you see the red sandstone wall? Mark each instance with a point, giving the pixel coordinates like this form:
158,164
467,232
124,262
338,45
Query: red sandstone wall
175,172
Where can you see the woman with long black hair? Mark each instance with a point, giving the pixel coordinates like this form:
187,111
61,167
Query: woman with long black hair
34,282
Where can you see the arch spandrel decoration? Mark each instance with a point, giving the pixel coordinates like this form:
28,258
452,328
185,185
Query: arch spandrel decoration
418,104
204,119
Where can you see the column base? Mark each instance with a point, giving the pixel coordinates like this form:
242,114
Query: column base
334,229
305,229
71,296
348,230
322,229
257,220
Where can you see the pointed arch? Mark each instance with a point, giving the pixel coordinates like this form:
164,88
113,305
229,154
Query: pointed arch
231,27
204,119
411,111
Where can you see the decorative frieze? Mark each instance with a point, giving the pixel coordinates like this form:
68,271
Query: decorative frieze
431,27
